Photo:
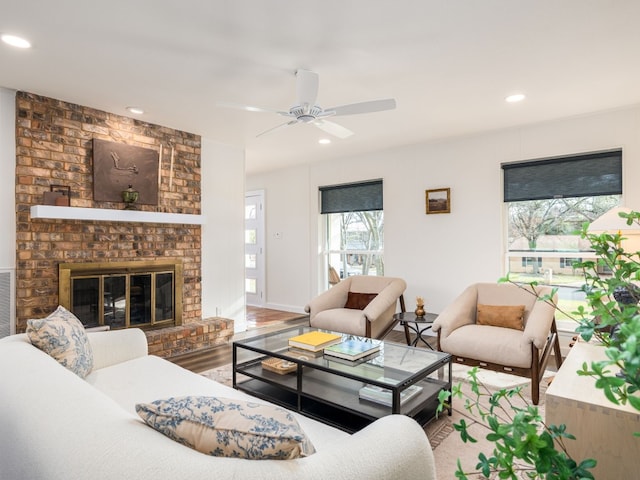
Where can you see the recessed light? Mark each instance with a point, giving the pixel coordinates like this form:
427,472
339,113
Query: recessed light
135,110
517,97
324,141
15,41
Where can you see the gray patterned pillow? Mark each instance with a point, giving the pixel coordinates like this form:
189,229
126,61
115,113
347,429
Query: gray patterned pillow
224,427
62,336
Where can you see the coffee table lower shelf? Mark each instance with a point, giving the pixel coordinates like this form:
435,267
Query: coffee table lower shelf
333,399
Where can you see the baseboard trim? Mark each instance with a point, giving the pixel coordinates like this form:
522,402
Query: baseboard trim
284,308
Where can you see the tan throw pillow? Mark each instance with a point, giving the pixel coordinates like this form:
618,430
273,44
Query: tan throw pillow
225,427
507,316
359,301
63,336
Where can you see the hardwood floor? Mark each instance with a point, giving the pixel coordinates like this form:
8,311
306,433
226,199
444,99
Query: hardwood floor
259,320
260,317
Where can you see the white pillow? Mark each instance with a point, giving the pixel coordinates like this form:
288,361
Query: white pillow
63,336
224,427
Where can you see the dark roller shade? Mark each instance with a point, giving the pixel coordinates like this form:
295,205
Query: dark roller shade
574,176
351,197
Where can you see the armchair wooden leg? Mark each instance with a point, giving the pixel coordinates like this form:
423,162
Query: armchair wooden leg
535,375
556,345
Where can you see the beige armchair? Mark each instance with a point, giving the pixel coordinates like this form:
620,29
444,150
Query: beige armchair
359,305
492,345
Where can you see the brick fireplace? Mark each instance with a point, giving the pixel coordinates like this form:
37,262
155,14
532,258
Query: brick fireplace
54,147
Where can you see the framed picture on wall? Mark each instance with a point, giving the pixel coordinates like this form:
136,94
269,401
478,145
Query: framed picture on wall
438,200
117,165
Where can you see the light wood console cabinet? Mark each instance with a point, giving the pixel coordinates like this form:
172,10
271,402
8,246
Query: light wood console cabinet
603,430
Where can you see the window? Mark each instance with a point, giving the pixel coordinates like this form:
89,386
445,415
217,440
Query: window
569,262
532,261
354,226
548,200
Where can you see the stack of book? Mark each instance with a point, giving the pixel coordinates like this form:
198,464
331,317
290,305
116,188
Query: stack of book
384,396
353,349
313,343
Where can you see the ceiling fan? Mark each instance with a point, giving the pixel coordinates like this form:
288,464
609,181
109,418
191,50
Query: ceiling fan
307,111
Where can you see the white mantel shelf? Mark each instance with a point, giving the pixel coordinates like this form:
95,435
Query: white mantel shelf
110,215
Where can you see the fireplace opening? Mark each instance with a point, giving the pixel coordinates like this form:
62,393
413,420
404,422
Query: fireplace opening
123,294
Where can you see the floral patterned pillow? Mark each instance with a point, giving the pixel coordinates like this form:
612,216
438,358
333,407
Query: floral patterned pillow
63,336
224,427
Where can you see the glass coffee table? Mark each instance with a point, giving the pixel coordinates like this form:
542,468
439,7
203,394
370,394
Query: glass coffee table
345,394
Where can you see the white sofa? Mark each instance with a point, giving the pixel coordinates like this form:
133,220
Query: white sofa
55,425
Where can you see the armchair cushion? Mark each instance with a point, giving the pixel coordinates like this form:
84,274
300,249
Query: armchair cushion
486,343
359,301
508,316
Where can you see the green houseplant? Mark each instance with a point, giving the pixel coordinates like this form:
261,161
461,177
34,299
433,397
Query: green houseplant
524,446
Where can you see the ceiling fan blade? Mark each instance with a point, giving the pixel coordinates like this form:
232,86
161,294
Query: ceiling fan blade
307,88
286,124
364,107
249,108
333,128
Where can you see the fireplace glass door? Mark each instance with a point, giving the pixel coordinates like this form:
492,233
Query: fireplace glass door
124,300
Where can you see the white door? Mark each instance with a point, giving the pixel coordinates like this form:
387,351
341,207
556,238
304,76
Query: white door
254,247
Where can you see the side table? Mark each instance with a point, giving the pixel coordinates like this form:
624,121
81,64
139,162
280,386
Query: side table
603,430
418,325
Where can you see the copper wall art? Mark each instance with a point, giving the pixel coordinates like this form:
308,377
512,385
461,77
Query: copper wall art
117,165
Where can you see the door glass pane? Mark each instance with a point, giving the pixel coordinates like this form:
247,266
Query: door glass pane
250,212
164,296
250,260
115,299
140,299
250,237
250,285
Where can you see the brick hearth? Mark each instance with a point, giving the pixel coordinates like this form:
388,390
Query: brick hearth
169,342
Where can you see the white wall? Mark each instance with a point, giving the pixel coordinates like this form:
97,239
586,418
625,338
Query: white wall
8,179
287,259
223,232
438,255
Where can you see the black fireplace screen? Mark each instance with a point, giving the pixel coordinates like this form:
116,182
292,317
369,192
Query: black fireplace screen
124,300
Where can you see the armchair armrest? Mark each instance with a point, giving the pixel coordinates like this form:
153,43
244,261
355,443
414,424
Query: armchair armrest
539,323
117,346
387,298
462,311
335,297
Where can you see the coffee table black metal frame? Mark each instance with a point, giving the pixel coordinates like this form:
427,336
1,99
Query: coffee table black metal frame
418,325
327,389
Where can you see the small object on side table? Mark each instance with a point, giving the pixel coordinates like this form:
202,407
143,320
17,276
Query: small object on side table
416,324
419,307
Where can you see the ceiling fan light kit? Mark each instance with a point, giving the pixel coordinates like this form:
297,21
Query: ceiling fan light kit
307,111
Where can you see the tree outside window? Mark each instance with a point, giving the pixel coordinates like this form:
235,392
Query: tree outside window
355,243
544,243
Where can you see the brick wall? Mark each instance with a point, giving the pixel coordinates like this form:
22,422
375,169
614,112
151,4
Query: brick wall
54,147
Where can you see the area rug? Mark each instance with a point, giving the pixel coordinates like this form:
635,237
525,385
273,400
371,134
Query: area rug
440,429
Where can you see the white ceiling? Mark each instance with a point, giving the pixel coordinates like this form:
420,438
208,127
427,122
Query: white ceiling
448,63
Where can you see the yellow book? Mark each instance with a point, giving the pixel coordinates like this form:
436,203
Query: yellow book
314,341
